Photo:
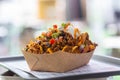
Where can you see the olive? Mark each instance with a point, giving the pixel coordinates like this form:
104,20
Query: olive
48,44
62,33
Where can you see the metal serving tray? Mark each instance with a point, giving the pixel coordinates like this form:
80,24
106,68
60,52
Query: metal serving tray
99,66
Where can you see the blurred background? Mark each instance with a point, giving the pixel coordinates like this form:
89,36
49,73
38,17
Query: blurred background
22,20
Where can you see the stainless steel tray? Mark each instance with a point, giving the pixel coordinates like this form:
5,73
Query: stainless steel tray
99,66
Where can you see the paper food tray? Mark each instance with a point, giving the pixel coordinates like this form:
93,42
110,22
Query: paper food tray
57,62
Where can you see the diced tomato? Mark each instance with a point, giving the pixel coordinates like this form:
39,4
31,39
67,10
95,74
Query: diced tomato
54,26
52,41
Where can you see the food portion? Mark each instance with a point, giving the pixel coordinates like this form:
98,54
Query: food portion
59,38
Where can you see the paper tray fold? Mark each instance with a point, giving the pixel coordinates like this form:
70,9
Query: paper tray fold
57,62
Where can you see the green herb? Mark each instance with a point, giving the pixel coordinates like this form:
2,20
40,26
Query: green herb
55,35
63,25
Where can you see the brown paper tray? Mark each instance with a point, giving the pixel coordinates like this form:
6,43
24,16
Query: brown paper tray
56,62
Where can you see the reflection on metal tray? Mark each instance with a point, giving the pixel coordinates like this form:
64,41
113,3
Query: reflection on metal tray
99,66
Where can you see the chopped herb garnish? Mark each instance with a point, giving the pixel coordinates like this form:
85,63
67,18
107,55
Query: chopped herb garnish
55,35
63,25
